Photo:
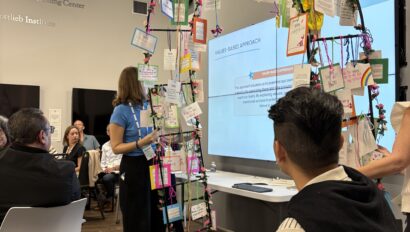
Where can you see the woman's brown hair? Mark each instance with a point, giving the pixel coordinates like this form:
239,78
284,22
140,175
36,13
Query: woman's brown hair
67,131
129,88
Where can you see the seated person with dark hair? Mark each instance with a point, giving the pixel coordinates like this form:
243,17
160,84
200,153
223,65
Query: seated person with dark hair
307,126
30,176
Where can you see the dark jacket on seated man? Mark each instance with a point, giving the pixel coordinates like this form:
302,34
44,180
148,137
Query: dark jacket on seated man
32,177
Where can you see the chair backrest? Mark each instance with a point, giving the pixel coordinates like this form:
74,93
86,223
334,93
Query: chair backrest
67,218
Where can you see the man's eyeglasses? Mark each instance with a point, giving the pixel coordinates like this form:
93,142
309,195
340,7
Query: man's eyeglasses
51,129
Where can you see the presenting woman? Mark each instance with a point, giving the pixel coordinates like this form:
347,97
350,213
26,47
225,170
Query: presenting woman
128,137
72,146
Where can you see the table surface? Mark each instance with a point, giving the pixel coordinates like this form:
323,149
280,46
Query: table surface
283,190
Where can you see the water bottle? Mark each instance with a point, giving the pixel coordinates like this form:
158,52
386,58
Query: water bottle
213,166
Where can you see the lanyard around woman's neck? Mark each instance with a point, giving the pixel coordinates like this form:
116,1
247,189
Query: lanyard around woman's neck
136,120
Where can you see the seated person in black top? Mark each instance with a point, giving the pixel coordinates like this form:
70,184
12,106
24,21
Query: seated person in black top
307,126
73,147
30,176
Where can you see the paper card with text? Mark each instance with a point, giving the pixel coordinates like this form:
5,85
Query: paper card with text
191,111
155,176
145,118
301,75
173,92
180,12
346,98
198,210
147,72
199,95
365,139
326,7
213,217
174,160
199,30
148,152
344,9
352,76
185,63
174,213
195,60
373,55
331,80
297,34
144,41
209,5
167,8
366,74
193,164
170,59
358,91
171,117
196,46
380,70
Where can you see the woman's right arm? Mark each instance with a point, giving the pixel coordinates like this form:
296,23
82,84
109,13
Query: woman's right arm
400,158
119,147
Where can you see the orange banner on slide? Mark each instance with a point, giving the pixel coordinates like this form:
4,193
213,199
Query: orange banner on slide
273,72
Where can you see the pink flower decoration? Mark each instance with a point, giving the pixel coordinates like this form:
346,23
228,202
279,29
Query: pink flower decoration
382,116
380,106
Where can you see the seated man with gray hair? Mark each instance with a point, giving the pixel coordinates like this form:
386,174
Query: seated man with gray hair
29,174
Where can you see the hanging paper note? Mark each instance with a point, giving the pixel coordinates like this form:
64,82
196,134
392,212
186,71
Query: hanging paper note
170,56
199,30
198,211
193,165
285,6
144,41
185,63
174,160
346,12
366,140
155,176
346,98
199,90
352,76
180,12
301,75
326,7
358,91
174,213
145,118
191,111
380,70
195,59
331,80
209,5
196,46
373,55
173,92
167,8
366,74
148,152
171,119
297,35
147,72
213,217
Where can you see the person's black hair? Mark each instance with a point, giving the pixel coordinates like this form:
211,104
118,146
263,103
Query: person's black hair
25,124
307,123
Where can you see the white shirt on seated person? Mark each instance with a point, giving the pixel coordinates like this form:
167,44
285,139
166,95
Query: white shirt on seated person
109,161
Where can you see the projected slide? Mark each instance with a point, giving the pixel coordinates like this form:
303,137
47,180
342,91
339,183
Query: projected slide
249,70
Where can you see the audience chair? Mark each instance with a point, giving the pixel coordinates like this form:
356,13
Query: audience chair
87,182
67,218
